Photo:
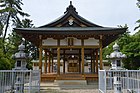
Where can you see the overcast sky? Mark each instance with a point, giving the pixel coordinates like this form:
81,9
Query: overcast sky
108,13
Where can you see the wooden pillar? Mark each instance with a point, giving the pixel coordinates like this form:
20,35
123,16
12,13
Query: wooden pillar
79,60
49,63
101,52
91,64
58,60
45,64
40,54
58,57
82,51
82,54
93,60
52,63
97,61
64,61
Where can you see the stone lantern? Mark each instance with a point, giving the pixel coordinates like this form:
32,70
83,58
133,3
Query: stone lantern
116,58
116,65
20,67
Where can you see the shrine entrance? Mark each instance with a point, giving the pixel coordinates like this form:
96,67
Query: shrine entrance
73,64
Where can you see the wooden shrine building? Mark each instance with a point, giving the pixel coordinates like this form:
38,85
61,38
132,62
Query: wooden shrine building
72,39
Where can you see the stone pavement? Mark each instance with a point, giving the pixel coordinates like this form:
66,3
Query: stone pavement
71,91
49,87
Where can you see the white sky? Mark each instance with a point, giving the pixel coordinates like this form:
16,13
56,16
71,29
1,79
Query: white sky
108,13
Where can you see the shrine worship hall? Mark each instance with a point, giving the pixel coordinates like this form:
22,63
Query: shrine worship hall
70,47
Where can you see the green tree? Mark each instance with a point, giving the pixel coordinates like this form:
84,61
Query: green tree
132,50
129,45
107,50
11,46
29,48
5,62
138,21
9,13
122,40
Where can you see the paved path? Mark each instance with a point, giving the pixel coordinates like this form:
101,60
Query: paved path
71,91
54,88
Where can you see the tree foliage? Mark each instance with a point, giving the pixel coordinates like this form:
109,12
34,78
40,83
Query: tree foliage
129,45
9,17
29,48
9,11
132,50
138,21
5,61
11,46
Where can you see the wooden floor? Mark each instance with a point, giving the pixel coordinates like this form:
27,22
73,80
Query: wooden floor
68,76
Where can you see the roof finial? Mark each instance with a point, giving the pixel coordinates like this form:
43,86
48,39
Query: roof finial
71,8
70,2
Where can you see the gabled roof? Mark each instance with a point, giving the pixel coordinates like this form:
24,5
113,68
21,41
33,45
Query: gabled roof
71,14
71,25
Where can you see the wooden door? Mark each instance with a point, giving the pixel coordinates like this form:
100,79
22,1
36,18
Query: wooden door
73,65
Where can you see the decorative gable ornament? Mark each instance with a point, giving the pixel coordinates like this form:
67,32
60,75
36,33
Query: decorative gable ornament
71,22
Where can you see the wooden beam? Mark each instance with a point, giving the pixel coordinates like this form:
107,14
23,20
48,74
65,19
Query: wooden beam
89,46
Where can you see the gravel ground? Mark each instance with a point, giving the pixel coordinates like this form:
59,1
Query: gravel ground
81,91
54,88
71,91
